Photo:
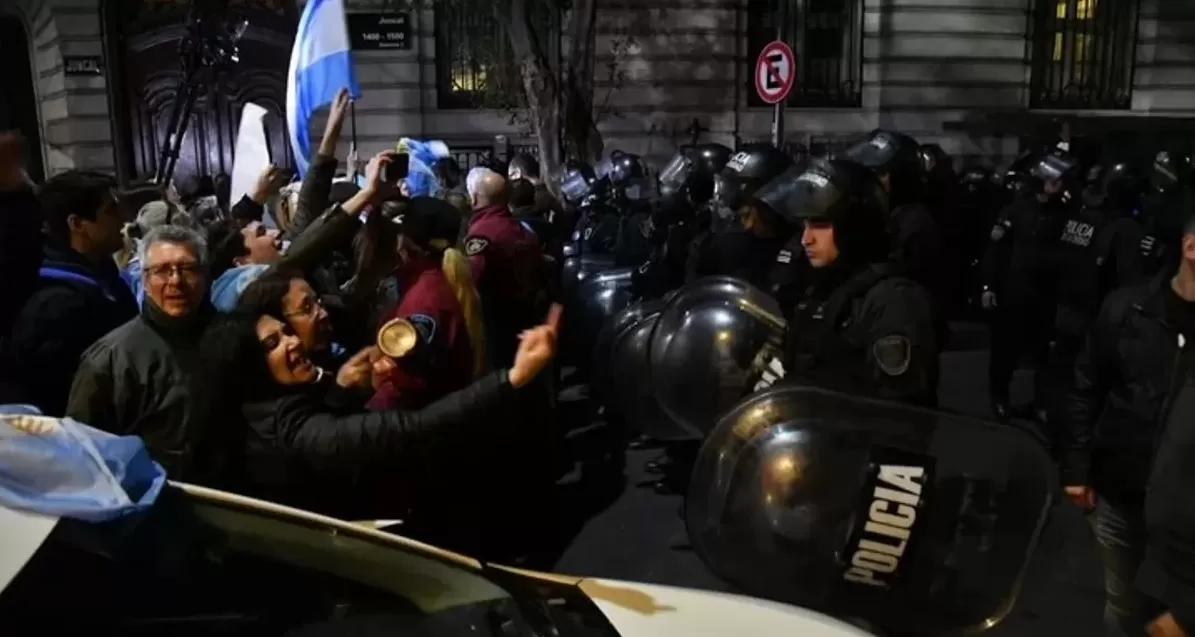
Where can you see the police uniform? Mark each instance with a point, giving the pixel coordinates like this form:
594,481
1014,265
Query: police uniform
916,241
509,270
1019,268
686,186
860,326
441,358
733,250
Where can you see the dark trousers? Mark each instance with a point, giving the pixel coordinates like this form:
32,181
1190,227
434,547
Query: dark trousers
1121,535
1019,328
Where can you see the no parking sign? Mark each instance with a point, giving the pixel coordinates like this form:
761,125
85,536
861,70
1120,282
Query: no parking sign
775,72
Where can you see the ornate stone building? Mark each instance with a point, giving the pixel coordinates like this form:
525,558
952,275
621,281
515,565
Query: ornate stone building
970,75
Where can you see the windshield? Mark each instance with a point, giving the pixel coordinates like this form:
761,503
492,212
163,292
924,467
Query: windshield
203,567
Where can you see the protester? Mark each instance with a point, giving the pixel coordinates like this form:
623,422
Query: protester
20,232
309,443
80,295
143,377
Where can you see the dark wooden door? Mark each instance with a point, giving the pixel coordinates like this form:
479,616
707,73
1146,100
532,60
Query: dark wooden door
18,106
146,74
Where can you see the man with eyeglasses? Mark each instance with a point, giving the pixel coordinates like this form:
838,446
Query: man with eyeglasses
78,296
145,377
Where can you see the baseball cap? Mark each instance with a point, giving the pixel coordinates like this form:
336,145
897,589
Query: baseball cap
426,219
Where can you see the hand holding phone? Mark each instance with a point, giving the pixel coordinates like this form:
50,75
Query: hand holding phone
396,168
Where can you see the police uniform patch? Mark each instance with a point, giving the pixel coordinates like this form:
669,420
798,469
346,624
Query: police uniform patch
425,325
475,245
784,256
998,232
893,354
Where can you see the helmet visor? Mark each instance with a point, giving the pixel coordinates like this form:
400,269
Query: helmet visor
674,176
875,153
575,186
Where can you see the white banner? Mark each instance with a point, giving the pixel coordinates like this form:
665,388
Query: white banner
252,154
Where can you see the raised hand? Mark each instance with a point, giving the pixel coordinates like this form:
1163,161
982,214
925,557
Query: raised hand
537,348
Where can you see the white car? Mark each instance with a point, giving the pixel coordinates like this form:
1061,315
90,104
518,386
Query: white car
206,562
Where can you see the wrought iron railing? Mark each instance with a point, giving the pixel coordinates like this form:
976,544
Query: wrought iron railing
1083,53
475,65
827,38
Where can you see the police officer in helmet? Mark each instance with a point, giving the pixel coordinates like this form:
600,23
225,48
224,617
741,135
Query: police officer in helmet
916,241
1097,252
1165,208
860,327
685,186
743,239
1019,276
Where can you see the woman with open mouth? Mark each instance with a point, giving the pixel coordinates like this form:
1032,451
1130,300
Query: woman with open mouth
308,441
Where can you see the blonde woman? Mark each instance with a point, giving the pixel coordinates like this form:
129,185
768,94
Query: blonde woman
439,310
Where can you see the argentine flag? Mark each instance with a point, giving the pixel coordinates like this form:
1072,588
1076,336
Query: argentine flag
320,65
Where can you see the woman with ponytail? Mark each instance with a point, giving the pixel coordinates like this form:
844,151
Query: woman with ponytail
435,332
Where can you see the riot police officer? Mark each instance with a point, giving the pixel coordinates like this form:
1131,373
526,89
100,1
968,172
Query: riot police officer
627,176
685,186
1097,252
915,238
1165,208
742,239
1018,272
860,327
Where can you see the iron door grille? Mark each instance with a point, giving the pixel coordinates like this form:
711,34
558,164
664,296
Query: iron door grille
1083,53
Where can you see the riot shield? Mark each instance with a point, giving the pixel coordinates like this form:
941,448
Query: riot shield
596,299
705,349
916,521
634,395
601,383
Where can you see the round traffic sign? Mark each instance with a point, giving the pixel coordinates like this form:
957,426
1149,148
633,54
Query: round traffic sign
775,72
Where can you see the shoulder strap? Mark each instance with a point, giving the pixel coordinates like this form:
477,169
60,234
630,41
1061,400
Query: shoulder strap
59,274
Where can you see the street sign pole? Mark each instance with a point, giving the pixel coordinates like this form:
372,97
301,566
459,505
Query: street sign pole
778,109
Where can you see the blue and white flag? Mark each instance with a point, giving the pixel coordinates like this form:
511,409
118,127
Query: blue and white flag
320,65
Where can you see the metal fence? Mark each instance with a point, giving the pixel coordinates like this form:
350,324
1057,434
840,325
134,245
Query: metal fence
827,37
1083,53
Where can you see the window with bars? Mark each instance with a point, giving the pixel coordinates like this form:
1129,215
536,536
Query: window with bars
475,65
827,38
1083,54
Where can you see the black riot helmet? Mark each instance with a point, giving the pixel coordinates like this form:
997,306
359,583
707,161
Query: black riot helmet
691,172
1170,170
747,171
842,193
893,154
625,167
1059,168
1117,188
523,166
934,160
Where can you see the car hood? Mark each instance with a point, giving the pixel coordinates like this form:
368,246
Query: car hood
650,610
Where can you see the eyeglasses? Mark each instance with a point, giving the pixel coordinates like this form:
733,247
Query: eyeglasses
309,307
186,271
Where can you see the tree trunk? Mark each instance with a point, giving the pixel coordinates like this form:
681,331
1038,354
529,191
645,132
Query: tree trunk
540,88
582,140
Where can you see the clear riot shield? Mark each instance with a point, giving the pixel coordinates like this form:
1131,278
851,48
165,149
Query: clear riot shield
602,385
596,299
631,372
915,521
705,350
